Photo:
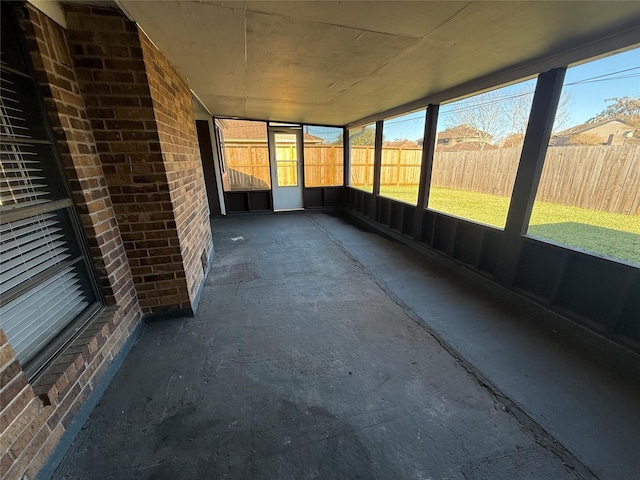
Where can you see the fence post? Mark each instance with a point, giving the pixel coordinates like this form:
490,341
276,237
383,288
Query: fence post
346,158
536,141
426,168
332,153
251,162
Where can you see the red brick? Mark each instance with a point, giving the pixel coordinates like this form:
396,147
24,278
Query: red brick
41,457
5,462
29,432
11,411
12,388
9,373
22,463
124,64
109,76
88,62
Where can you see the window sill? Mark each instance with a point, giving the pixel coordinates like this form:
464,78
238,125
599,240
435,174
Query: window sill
72,362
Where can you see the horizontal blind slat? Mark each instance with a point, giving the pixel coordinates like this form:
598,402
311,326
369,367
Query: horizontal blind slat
17,224
21,170
33,319
46,335
48,304
29,247
17,197
43,226
27,253
36,269
9,245
36,294
28,191
10,184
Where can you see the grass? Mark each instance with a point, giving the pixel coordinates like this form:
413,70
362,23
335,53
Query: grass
609,234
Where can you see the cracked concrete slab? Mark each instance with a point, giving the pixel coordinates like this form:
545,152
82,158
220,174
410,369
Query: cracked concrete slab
302,363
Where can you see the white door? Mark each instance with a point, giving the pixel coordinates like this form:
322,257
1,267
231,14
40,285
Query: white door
286,168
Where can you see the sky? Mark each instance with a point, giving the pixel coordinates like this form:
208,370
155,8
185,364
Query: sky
588,98
589,85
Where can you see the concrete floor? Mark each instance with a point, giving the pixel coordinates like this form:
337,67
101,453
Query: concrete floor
323,351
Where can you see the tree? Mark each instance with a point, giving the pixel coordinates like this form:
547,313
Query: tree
624,108
513,140
484,113
563,113
498,115
365,137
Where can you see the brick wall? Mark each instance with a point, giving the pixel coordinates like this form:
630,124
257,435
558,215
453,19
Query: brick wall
25,436
76,147
173,107
148,159
77,150
125,131
34,416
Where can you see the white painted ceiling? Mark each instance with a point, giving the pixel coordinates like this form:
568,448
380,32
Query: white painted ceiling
335,62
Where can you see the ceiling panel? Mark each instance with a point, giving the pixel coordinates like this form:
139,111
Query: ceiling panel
336,62
411,19
299,59
205,42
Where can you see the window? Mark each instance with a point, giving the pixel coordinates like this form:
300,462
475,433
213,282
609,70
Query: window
323,156
402,156
588,197
245,151
362,142
478,146
286,158
47,292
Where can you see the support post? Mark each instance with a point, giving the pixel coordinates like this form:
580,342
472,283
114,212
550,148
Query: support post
426,167
346,158
377,169
536,141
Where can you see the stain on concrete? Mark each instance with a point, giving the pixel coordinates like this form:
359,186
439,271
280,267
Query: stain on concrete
232,274
298,365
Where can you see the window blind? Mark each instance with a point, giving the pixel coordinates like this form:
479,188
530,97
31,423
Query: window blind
27,248
32,319
44,282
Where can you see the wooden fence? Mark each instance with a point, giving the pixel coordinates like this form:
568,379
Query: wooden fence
323,165
249,166
605,178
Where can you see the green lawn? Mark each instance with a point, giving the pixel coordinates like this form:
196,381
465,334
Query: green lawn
608,234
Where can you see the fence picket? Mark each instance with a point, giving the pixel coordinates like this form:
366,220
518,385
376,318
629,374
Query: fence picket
603,178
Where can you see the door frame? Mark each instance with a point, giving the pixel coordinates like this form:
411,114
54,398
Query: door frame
273,164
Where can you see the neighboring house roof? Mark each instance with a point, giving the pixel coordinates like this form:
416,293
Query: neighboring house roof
247,131
244,130
613,131
476,146
462,131
401,144
308,138
585,127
